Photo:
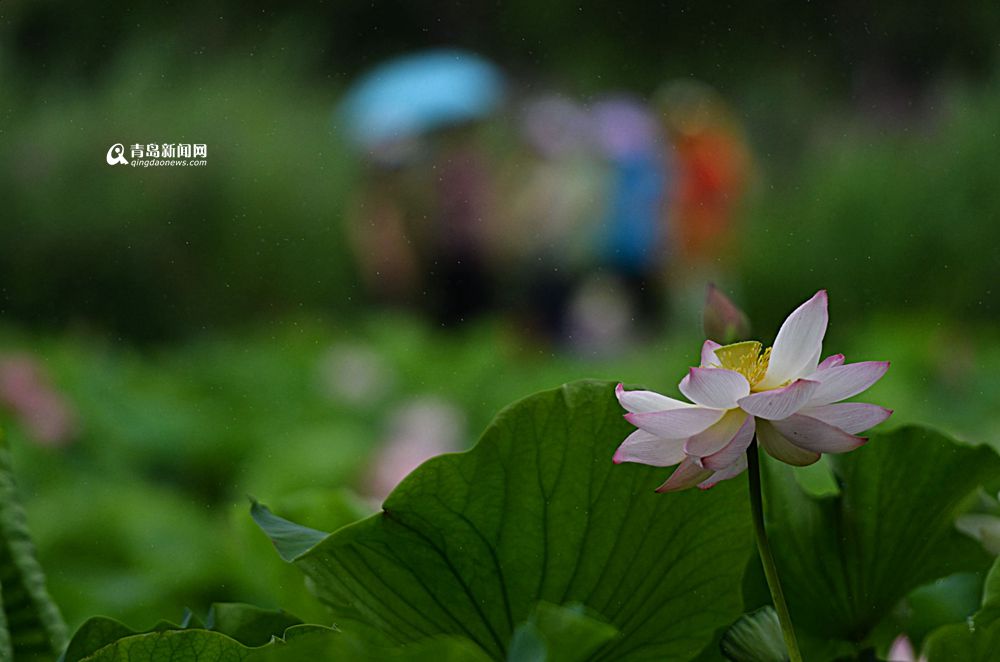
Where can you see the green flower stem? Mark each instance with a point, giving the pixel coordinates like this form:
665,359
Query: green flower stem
764,549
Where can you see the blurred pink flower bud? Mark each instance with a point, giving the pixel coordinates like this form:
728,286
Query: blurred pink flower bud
29,395
902,651
419,430
723,321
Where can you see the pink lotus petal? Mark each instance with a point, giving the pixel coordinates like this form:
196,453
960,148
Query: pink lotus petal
675,423
641,402
781,449
845,380
780,402
831,362
714,387
733,470
852,417
814,435
813,362
687,474
799,340
644,448
708,357
717,436
734,450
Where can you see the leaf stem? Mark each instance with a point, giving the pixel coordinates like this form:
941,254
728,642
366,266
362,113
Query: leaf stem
764,550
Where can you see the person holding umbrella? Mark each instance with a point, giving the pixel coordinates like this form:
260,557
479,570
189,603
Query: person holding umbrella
418,224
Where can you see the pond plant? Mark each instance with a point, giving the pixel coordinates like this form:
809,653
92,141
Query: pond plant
550,540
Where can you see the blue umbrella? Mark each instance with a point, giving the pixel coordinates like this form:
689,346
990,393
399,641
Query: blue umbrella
418,93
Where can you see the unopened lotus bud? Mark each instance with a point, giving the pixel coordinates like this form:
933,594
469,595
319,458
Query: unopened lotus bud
723,321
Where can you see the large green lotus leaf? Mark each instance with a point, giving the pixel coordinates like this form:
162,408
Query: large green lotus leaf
243,633
300,644
978,641
31,626
99,631
846,560
246,625
469,543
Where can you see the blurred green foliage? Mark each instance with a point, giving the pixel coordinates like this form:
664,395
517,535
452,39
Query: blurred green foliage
155,251
632,42
891,219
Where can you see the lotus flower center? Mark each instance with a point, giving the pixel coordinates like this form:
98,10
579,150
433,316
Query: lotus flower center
746,358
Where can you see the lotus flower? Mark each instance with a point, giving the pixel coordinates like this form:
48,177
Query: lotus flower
783,395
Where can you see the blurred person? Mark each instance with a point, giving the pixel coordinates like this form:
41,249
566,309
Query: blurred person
713,167
383,225
601,320
28,393
464,203
557,190
630,243
426,241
